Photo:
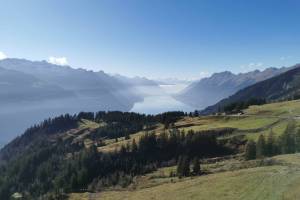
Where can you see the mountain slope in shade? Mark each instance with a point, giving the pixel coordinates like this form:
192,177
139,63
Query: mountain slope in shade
141,86
32,91
17,86
111,92
136,81
210,90
281,87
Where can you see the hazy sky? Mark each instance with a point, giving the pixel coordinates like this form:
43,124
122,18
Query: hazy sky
153,38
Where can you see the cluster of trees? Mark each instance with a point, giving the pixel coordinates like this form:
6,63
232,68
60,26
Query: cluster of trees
240,105
119,124
56,168
152,151
129,117
123,124
38,132
288,142
184,166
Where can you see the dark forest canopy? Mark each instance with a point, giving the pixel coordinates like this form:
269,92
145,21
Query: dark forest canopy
119,124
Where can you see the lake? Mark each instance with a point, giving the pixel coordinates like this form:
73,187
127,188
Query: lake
158,101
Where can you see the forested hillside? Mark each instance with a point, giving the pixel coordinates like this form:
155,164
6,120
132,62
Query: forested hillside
31,91
108,154
61,155
218,86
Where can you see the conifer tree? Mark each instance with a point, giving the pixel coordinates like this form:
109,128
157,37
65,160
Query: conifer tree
287,140
297,141
261,147
186,166
270,145
250,150
196,166
74,183
180,166
134,147
127,136
183,166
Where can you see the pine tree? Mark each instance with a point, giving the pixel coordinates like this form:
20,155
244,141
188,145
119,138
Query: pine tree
287,139
180,166
183,166
186,166
261,147
297,141
270,145
166,125
123,150
134,147
82,178
250,150
196,166
128,147
127,136
74,183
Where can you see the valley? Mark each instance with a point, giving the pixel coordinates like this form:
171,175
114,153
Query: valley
149,100
162,100
223,177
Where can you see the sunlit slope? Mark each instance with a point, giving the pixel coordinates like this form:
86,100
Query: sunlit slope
285,86
254,117
256,120
276,182
280,109
234,179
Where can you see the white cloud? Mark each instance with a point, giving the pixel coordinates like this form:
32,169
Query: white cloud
252,66
2,55
201,75
58,60
282,58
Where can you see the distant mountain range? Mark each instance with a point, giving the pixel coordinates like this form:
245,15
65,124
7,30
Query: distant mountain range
32,91
135,81
285,86
172,81
17,86
209,91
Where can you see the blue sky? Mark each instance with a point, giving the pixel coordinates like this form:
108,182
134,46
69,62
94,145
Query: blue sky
154,38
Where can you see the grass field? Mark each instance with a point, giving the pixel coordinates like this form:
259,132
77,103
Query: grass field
276,182
232,179
239,122
281,109
255,118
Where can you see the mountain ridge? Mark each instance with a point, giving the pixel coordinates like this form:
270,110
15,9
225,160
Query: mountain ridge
210,90
285,86
40,90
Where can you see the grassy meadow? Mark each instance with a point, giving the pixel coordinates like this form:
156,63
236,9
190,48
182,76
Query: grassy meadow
276,178
257,120
279,181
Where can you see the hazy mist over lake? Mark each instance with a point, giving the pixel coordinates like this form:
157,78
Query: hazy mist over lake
158,101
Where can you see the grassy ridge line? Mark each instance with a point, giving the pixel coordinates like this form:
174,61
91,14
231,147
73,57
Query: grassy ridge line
244,124
257,120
